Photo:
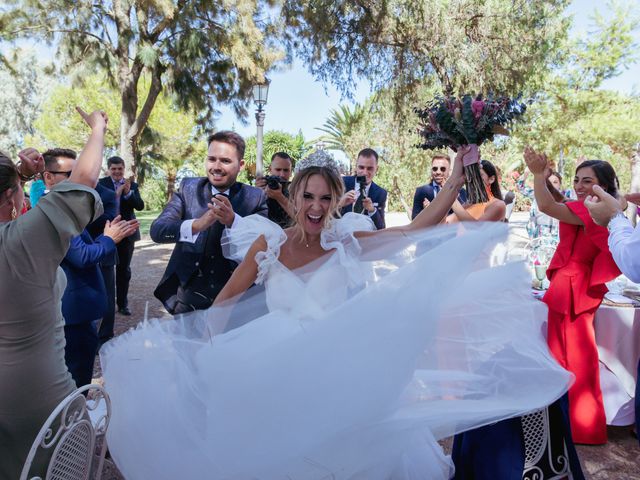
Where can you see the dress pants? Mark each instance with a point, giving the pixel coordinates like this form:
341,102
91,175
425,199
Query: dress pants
572,341
497,451
80,351
123,271
108,321
491,452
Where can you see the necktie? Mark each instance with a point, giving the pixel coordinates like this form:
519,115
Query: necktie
116,185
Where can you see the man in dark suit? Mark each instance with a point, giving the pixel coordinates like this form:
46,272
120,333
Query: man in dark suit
128,200
195,218
440,170
367,198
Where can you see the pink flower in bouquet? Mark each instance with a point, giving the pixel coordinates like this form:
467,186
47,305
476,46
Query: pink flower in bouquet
515,175
477,107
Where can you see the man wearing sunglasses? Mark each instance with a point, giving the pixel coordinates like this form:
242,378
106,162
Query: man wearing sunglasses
58,163
440,169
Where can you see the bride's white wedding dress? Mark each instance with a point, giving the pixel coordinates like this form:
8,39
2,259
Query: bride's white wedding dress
349,368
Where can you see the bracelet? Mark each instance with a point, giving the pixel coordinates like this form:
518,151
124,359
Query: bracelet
23,177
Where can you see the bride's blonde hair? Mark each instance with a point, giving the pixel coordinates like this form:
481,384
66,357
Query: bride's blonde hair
298,186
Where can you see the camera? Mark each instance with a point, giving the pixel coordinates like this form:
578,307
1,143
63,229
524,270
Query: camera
274,182
361,180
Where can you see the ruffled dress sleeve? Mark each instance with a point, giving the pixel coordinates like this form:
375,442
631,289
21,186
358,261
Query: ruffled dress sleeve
341,236
604,266
237,241
35,243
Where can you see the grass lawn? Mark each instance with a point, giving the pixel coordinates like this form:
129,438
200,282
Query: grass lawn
146,217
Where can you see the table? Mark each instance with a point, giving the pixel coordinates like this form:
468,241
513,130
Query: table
618,338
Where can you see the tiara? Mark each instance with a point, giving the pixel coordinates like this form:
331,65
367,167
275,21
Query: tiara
319,158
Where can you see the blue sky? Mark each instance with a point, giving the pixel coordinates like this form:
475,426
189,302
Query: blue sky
298,102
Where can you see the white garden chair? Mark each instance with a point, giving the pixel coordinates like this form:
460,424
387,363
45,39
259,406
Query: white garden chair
543,459
72,431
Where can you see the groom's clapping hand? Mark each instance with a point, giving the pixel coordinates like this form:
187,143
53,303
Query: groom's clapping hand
222,210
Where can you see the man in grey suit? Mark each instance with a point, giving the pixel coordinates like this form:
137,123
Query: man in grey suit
195,218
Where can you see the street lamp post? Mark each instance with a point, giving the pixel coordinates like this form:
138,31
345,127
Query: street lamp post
260,94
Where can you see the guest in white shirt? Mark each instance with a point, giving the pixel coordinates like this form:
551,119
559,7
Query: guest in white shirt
624,243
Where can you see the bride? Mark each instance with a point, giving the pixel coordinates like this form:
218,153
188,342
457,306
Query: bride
348,360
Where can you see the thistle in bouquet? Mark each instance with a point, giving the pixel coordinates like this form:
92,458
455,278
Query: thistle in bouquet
468,120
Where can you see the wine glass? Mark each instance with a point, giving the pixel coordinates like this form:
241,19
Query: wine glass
540,271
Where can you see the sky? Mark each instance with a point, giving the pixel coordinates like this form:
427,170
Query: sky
298,102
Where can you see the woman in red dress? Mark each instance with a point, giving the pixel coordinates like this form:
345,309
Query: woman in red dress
578,272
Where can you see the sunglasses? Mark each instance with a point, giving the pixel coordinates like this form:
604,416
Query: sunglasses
67,174
442,169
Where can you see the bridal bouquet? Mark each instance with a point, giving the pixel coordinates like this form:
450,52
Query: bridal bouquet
453,122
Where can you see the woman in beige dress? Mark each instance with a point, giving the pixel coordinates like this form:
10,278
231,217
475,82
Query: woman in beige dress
33,374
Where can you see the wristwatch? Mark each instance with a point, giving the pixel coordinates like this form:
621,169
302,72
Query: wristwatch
618,214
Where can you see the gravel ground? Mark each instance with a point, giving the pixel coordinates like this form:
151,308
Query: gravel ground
619,459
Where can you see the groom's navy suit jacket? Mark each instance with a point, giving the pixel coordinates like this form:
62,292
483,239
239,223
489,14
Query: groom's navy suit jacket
190,202
378,196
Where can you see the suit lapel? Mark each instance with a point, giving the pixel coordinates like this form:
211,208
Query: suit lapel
107,182
235,196
203,195
348,186
373,192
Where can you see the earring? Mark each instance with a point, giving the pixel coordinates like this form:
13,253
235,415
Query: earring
14,213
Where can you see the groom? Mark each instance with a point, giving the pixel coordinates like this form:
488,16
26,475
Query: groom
195,218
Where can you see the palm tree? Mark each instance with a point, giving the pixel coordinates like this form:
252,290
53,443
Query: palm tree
340,126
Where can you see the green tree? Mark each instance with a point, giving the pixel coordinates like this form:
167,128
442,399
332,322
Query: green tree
493,45
25,85
274,141
574,117
170,139
202,51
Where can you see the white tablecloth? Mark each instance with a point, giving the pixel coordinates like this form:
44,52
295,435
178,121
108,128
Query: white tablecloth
618,339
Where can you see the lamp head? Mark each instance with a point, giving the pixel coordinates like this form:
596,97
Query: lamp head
260,94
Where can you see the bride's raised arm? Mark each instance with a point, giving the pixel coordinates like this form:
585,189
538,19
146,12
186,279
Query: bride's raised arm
437,210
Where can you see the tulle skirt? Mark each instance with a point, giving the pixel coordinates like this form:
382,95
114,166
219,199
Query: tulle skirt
434,342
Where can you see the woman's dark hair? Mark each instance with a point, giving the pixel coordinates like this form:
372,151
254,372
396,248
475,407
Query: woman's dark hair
9,178
605,173
491,171
557,175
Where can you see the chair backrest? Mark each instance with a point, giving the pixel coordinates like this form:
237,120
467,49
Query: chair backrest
545,458
71,432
